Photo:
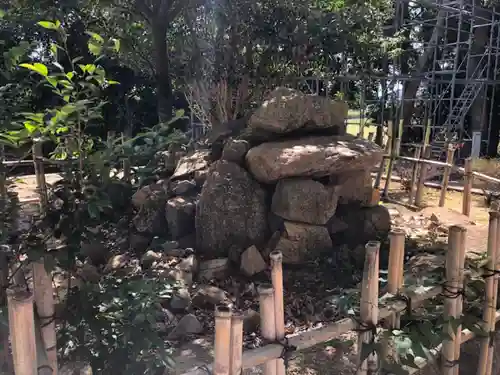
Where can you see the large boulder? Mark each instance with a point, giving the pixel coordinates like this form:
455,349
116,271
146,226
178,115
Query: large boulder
231,214
314,156
287,110
301,241
305,201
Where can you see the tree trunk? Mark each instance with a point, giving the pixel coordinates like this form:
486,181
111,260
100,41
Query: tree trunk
164,93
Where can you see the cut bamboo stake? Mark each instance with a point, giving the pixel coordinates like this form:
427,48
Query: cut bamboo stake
491,348
459,300
222,350
414,174
419,196
381,167
451,289
40,175
279,310
468,179
446,176
268,323
236,363
489,307
22,331
369,306
44,302
390,167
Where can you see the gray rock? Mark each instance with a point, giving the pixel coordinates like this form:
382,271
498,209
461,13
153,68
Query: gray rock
314,156
207,296
76,368
287,110
213,269
183,187
235,151
231,214
305,201
180,214
188,325
252,261
355,186
189,164
251,320
169,245
180,301
149,202
300,241
149,258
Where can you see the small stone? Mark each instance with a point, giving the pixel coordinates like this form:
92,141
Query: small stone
252,261
189,264
207,296
235,151
180,214
188,325
213,269
116,262
149,258
170,245
189,164
183,187
180,276
200,177
180,301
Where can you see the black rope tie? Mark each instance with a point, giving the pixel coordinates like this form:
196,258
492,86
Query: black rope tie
490,273
450,292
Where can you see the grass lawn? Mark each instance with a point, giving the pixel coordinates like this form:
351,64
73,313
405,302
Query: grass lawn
354,123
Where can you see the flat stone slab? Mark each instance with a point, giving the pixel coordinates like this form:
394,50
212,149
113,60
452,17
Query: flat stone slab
315,156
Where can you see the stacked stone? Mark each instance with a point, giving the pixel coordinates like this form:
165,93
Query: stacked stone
291,185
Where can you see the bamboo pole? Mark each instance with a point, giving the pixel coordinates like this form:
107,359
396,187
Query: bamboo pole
381,167
450,305
460,298
40,175
468,179
236,364
390,167
369,306
3,179
419,195
222,349
414,174
126,163
489,311
268,323
446,176
279,310
44,302
491,348
22,331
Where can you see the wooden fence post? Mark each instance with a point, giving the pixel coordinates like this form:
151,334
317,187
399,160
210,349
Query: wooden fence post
451,292
22,331
446,176
222,349
268,322
279,310
468,179
44,302
484,365
369,307
236,344
40,175
460,298
419,197
414,173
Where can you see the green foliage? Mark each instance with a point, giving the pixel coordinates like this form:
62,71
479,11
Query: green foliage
114,327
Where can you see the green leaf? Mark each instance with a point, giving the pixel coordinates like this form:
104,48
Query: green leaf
70,75
48,25
111,82
30,127
36,67
52,81
94,49
95,36
2,13
179,113
53,49
116,43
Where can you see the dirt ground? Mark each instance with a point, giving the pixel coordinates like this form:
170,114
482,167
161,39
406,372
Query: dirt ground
339,356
